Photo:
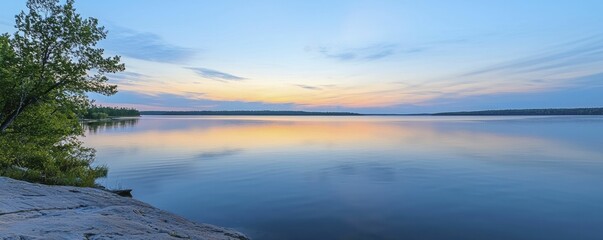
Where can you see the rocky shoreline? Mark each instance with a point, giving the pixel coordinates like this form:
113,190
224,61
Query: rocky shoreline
35,211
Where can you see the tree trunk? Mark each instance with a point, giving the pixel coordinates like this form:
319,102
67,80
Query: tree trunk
11,117
8,121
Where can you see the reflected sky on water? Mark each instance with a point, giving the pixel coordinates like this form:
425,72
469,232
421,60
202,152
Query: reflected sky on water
366,177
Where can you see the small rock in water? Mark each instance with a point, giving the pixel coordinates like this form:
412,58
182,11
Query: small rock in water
123,192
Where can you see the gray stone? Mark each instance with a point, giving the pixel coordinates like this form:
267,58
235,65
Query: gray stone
35,211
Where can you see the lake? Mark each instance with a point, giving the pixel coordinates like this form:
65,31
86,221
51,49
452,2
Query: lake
361,177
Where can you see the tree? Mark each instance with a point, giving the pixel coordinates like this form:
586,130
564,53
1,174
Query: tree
46,69
101,112
53,59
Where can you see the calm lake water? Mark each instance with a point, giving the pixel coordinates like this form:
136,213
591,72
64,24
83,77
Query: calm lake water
366,177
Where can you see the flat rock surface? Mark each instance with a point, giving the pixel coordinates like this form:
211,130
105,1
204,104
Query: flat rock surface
35,211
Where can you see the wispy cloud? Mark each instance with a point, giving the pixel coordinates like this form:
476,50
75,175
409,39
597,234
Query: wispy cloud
368,53
185,101
308,87
129,79
583,92
145,46
127,75
573,54
383,53
215,75
343,56
374,52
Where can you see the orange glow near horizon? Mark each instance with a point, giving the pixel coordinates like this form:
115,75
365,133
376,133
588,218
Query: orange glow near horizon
324,92
259,133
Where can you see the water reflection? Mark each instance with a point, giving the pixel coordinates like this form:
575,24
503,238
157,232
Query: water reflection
366,177
225,137
218,153
118,123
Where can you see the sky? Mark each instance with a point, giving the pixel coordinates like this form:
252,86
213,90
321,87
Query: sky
360,56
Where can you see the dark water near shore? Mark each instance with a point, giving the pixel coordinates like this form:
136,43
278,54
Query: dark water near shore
366,177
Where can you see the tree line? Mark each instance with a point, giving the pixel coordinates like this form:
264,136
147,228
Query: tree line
533,112
101,112
250,113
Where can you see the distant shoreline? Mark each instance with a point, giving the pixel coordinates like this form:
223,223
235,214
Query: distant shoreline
506,112
109,119
249,113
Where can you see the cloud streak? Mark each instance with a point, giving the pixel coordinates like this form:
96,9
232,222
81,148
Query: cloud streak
127,75
215,75
166,101
573,54
369,53
308,87
145,46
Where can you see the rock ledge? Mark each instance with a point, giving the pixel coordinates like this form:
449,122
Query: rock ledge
35,211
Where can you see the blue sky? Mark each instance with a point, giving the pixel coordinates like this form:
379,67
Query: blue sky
363,56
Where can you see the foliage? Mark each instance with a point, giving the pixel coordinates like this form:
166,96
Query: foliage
48,151
100,112
46,69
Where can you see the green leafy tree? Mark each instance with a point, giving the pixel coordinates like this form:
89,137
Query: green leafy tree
100,112
46,69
